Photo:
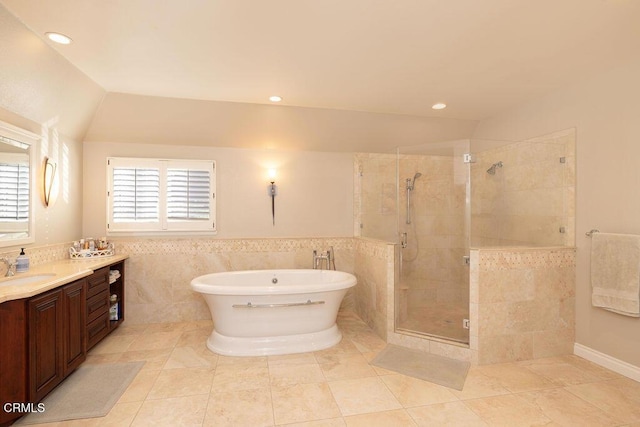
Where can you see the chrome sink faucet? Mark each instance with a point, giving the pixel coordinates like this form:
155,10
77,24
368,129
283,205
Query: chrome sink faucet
10,266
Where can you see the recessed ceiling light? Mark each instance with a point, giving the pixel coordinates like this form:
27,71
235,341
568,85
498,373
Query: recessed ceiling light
275,98
439,106
58,38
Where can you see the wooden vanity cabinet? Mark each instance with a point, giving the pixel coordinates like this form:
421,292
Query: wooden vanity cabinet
45,337
56,336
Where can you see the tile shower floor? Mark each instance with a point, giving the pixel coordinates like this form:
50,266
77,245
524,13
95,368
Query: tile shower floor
184,384
443,320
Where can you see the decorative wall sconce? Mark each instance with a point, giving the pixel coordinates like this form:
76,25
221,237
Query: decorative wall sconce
272,190
49,176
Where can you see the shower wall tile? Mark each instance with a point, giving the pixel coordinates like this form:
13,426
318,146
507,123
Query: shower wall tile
525,303
531,198
375,193
374,266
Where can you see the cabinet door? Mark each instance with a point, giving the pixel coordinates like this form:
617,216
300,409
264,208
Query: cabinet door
13,356
46,367
74,325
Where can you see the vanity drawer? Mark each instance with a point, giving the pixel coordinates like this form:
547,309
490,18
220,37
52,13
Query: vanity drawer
98,282
97,330
97,305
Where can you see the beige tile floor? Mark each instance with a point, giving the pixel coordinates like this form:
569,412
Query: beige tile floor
184,384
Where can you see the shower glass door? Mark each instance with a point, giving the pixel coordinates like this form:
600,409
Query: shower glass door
432,295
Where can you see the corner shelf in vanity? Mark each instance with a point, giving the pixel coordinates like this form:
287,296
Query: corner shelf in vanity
116,287
100,287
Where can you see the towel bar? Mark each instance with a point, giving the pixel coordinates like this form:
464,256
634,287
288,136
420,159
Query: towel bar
290,304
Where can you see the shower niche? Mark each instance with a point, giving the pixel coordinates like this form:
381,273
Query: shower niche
439,201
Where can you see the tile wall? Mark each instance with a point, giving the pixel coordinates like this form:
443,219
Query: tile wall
38,254
531,198
375,268
522,303
159,271
375,195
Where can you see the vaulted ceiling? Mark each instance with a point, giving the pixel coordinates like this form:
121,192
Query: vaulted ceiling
480,57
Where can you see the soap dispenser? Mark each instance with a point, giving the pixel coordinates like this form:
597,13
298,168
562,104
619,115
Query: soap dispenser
22,262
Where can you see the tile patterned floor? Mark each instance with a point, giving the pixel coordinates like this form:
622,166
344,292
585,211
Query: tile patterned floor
184,384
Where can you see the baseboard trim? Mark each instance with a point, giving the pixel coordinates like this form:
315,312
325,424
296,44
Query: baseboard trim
606,361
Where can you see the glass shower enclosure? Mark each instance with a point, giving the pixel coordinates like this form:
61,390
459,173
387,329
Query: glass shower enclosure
433,222
438,200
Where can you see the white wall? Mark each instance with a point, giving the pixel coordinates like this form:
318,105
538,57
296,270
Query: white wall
42,92
315,189
605,111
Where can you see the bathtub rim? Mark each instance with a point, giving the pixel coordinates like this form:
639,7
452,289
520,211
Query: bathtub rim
344,280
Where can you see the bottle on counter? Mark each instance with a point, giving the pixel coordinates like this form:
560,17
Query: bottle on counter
102,243
22,262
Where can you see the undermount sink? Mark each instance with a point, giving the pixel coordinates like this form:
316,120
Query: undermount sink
24,280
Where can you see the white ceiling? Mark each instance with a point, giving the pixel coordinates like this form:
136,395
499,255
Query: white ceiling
387,56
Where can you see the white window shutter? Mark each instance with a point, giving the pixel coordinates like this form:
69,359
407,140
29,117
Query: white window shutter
14,186
158,196
136,195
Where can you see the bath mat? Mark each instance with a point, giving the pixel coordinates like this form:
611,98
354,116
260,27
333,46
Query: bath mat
89,392
418,364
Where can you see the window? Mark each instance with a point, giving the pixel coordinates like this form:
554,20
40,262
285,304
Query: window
156,196
14,192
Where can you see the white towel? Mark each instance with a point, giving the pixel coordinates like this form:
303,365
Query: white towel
615,273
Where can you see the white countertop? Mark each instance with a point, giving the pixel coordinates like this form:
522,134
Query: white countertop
63,272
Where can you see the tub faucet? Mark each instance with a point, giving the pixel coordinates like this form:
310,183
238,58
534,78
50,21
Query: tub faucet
10,264
324,258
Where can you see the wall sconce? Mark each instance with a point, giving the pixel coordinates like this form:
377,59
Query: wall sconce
49,176
272,191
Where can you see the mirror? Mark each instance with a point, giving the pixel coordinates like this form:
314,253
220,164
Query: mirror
17,185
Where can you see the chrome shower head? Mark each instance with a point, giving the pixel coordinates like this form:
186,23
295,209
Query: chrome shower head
492,169
412,181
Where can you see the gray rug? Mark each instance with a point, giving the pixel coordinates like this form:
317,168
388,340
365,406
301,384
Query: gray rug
418,364
89,392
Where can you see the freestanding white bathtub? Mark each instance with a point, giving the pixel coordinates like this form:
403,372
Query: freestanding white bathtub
269,312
